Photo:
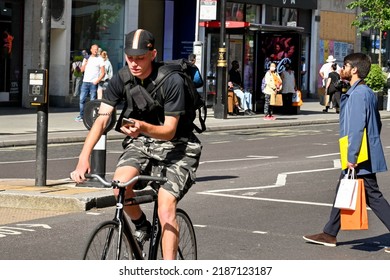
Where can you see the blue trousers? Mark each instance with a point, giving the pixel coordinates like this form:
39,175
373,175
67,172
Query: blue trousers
87,88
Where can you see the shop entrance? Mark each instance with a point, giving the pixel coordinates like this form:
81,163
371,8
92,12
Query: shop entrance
254,47
235,46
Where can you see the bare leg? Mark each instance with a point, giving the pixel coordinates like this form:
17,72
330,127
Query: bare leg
170,229
124,174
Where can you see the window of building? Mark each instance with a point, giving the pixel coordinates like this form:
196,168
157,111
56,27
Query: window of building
276,15
253,13
11,30
242,12
235,12
284,16
99,22
289,17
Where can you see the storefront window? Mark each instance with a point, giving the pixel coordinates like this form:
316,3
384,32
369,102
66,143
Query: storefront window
11,17
284,16
99,22
234,12
248,63
252,13
289,17
242,12
276,15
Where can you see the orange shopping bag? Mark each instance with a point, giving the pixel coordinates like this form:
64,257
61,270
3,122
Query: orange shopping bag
356,219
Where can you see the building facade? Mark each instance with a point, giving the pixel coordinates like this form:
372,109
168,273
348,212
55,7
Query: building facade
311,29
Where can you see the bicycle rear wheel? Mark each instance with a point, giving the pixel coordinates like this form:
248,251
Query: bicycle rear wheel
102,244
187,249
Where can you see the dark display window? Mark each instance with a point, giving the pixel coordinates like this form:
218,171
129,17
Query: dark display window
11,22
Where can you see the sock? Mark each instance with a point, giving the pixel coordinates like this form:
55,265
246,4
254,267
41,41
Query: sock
142,223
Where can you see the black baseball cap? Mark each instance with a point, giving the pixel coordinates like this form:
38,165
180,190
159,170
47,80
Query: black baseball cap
139,42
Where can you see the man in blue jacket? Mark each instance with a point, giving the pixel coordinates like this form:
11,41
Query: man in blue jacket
359,110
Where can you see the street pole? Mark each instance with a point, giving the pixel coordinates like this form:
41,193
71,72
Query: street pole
220,108
42,109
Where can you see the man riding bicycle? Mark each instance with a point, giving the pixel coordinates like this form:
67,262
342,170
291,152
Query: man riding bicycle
168,148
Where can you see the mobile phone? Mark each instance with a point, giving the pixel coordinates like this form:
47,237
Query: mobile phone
127,122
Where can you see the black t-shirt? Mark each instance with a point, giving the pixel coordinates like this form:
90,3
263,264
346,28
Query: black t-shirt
334,78
171,97
235,76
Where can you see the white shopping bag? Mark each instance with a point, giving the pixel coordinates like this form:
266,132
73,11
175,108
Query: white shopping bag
347,192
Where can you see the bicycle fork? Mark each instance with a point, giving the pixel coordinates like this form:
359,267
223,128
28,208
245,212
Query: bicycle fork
155,239
124,228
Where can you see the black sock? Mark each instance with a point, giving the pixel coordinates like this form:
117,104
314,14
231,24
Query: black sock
142,223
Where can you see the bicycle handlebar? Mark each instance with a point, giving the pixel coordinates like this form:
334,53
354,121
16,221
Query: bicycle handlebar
131,181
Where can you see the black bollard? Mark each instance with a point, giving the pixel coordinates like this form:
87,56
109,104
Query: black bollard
98,155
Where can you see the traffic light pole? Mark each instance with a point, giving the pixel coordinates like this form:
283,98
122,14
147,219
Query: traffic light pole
220,108
42,109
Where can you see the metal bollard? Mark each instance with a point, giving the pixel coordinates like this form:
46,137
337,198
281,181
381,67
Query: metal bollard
98,155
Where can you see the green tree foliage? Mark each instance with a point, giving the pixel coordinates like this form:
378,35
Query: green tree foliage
375,14
376,79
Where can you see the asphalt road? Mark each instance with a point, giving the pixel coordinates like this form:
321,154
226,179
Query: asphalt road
258,191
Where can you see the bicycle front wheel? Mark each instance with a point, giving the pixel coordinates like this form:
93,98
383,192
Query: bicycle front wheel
187,241
103,244
187,249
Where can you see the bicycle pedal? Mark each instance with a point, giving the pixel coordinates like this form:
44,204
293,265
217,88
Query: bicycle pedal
141,237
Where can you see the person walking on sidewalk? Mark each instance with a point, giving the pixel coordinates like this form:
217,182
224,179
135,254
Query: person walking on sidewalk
151,147
331,89
93,68
107,77
359,110
326,68
77,75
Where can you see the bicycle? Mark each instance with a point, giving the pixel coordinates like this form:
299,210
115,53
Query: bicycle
114,239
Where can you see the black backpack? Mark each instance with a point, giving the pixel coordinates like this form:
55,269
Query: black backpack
149,99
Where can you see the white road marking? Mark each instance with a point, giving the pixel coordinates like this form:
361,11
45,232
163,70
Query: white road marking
280,182
33,160
238,159
268,199
260,232
324,155
93,213
35,225
220,142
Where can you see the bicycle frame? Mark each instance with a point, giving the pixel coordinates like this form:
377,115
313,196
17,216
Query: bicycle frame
142,197
120,227
124,227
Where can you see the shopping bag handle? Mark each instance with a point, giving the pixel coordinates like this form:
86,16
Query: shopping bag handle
351,173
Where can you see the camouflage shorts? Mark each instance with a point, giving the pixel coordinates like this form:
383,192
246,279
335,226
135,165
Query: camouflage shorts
177,160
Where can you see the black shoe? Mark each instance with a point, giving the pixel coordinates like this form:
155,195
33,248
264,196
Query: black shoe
247,113
142,234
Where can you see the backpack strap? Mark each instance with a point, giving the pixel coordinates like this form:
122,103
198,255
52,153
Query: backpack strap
166,71
129,81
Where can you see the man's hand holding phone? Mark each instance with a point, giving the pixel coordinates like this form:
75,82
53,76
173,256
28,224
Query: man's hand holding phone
130,127
128,122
